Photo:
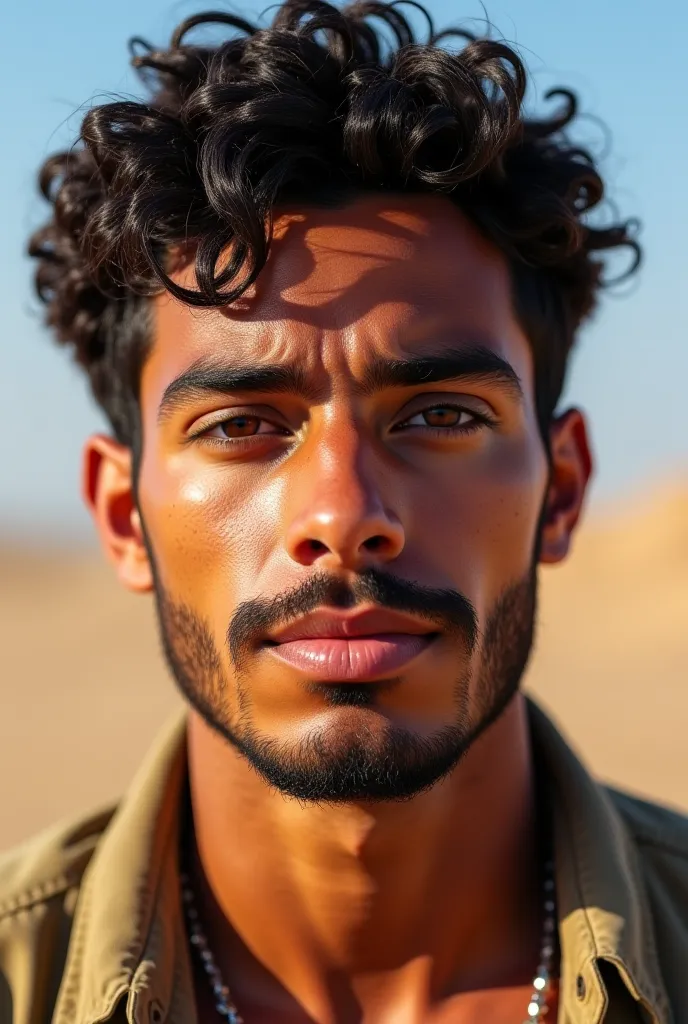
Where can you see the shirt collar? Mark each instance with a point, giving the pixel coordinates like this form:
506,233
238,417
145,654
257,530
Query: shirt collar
129,943
601,902
128,939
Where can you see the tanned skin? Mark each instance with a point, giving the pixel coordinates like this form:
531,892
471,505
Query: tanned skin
424,910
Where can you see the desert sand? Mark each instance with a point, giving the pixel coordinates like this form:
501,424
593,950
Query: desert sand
83,688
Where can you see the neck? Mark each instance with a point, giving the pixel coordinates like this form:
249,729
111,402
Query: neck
333,903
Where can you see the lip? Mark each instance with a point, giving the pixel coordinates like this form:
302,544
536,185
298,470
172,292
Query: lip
334,646
331,623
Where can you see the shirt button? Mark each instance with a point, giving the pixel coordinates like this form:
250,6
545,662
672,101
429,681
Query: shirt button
580,986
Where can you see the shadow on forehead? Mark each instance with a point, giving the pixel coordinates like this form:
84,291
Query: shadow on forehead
419,251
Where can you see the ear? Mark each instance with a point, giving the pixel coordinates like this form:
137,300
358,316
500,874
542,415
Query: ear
108,490
570,472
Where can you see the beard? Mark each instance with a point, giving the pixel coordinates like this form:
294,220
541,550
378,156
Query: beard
372,759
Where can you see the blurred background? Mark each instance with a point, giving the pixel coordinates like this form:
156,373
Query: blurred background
82,686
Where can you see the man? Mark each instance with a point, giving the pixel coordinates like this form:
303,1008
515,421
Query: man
325,291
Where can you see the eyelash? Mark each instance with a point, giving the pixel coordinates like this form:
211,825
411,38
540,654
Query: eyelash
478,421
204,435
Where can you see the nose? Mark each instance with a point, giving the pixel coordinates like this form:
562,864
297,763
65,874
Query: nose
339,518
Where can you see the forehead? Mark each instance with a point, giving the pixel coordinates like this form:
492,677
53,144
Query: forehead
378,276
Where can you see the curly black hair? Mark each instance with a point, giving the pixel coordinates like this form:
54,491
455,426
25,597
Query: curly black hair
315,108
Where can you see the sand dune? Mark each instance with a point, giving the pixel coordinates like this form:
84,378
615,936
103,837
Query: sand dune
83,689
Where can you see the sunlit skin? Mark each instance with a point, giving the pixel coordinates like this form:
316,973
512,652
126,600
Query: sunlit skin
426,910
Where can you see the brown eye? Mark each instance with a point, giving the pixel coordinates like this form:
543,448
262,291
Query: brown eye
443,416
450,421
240,426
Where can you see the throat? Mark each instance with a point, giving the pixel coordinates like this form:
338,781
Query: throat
313,906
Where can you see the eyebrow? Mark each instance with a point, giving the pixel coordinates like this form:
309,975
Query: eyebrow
205,378
477,364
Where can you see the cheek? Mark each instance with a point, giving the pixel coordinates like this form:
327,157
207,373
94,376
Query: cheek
210,535
484,514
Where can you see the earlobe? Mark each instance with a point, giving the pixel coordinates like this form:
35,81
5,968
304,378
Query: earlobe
570,472
108,491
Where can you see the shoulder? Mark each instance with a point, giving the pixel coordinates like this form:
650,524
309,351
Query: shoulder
660,838
652,825
50,862
659,846
39,887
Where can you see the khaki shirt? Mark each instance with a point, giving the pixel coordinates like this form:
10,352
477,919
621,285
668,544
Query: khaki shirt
91,927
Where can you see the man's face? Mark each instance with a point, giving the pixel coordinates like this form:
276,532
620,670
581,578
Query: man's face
341,486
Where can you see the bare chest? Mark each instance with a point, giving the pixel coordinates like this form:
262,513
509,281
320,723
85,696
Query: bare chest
498,1006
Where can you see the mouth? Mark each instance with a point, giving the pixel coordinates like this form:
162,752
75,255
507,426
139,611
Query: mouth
337,647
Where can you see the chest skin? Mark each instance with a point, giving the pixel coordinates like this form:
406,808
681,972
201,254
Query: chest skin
506,1008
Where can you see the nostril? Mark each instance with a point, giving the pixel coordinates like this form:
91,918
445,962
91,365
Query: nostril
317,547
349,549
375,543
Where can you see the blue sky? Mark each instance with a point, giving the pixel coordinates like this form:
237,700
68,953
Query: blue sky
631,370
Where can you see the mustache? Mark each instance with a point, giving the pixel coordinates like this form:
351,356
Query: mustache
448,611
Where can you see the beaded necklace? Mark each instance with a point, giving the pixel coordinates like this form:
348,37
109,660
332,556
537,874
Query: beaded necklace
537,1004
